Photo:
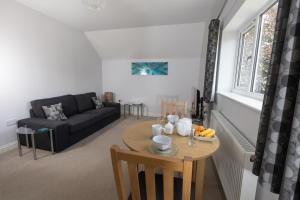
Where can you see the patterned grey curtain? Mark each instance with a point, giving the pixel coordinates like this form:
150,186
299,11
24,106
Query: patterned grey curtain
277,156
211,60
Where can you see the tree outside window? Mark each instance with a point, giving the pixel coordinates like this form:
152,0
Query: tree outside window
255,53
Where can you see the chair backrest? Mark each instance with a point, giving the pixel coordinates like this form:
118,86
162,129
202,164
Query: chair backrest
150,163
173,107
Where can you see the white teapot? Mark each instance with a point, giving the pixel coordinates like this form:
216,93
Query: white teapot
184,126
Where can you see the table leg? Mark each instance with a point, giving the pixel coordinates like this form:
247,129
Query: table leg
27,140
129,110
124,110
142,110
33,146
19,145
200,179
51,141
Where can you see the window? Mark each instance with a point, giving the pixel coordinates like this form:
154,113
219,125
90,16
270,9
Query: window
255,53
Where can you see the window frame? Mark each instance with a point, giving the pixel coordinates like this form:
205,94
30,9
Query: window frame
255,22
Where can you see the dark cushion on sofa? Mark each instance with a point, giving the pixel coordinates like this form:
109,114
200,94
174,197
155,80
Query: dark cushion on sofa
68,105
81,121
84,101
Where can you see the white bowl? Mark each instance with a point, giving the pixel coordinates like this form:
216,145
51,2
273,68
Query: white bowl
162,142
173,118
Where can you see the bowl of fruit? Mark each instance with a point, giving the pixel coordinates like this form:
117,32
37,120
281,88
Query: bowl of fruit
204,134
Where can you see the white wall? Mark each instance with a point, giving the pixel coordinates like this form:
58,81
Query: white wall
40,58
244,118
183,75
182,45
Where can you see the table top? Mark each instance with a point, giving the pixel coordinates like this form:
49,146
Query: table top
132,103
137,137
25,131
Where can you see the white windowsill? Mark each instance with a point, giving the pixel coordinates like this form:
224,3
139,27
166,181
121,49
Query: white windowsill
247,101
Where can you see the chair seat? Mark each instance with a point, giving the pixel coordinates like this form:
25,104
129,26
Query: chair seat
159,188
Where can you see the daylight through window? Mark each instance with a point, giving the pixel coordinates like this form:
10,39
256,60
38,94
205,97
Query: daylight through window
255,53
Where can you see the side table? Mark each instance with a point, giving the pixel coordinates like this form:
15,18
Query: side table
140,109
138,106
30,132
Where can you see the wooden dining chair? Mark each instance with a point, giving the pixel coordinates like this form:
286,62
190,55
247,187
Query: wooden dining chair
173,107
147,184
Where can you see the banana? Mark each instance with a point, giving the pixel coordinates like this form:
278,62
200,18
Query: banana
211,134
205,132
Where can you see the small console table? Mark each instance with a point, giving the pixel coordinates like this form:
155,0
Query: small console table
30,132
139,109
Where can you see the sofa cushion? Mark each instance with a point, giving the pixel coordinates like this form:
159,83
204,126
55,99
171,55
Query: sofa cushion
81,121
103,112
68,105
97,102
54,112
84,101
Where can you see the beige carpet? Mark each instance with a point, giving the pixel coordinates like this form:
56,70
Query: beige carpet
82,172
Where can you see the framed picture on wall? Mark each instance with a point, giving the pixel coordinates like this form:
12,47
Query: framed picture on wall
149,68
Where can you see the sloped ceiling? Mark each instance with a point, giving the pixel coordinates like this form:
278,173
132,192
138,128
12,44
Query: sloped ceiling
171,41
137,28
127,13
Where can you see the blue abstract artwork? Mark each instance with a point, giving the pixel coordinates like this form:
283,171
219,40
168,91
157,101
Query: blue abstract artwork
149,68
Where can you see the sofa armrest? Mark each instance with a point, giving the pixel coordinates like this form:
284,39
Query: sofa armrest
110,104
60,130
115,105
36,123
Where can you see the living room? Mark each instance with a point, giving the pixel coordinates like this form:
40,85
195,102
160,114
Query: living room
84,83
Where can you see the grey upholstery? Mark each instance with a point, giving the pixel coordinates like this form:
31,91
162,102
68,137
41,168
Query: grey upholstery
103,112
83,120
84,101
68,104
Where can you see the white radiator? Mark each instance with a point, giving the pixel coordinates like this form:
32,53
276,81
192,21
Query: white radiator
232,160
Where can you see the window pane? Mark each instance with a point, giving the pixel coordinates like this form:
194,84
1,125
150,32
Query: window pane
248,39
265,48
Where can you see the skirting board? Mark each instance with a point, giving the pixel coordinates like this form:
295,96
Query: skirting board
8,147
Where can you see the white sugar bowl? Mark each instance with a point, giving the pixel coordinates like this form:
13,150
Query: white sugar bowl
162,142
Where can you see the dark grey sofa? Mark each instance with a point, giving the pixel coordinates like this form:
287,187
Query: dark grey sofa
83,120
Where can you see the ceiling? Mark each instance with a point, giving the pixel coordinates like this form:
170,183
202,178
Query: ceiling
168,41
127,13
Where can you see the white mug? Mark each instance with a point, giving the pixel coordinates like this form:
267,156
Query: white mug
156,129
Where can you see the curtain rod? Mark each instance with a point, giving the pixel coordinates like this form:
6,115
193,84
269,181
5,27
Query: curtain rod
225,2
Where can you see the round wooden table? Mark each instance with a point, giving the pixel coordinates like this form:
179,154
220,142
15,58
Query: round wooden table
137,137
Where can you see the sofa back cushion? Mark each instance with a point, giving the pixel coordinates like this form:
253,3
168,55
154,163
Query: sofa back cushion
68,105
84,101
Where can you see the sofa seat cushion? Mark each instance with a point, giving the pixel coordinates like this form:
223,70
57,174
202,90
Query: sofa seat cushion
103,112
81,121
